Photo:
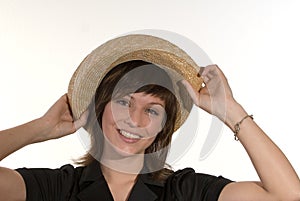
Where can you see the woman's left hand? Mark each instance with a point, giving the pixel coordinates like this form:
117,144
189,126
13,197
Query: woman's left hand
58,121
215,95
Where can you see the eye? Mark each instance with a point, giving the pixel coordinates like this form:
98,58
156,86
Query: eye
123,102
152,112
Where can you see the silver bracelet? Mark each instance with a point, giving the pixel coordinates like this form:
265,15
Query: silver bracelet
237,127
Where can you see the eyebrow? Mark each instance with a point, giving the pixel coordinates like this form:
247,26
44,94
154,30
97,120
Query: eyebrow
151,103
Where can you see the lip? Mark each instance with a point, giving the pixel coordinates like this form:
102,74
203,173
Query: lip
126,139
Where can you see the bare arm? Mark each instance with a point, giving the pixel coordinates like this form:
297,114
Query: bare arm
279,180
56,123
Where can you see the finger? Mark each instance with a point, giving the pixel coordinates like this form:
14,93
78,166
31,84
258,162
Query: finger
212,66
210,72
63,101
207,69
64,97
215,70
193,94
200,71
82,120
68,103
205,79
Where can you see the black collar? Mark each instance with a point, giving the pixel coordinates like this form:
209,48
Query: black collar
93,186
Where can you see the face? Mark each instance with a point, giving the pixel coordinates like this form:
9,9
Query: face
131,123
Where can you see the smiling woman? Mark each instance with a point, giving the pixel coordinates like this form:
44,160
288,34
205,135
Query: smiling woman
131,94
136,114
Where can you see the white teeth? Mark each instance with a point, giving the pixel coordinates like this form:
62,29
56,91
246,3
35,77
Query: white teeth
129,135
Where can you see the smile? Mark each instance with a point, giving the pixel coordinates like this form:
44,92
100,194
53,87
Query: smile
130,135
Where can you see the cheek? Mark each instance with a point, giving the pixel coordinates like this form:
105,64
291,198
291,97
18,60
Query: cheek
112,114
156,125
107,119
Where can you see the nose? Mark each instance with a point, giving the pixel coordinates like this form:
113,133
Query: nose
137,118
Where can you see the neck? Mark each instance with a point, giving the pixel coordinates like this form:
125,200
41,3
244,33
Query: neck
114,176
123,164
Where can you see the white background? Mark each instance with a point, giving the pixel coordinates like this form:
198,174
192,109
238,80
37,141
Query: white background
256,43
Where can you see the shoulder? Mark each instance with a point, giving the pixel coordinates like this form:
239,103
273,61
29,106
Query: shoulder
189,174
65,171
66,174
59,182
196,186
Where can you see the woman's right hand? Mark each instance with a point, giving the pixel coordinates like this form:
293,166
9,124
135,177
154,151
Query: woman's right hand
58,121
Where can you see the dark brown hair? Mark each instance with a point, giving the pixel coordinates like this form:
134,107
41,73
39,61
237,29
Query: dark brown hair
134,77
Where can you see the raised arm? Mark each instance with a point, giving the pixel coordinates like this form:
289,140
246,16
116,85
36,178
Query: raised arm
56,123
279,180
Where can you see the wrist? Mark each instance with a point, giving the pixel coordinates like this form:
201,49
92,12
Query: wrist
39,130
234,113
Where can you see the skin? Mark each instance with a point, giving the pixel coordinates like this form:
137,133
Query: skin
138,113
123,158
56,123
278,179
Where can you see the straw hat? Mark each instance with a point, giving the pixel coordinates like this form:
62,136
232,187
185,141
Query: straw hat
161,52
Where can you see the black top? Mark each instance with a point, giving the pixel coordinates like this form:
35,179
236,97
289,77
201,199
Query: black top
88,184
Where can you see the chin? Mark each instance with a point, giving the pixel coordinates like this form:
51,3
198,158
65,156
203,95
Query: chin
128,152
118,152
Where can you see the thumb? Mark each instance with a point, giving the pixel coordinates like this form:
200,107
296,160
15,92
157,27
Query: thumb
82,120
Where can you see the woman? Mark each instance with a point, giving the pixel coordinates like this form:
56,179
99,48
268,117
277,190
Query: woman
133,115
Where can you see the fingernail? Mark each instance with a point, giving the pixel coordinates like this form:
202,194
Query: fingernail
200,71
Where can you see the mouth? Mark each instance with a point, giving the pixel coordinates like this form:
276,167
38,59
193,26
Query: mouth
129,137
